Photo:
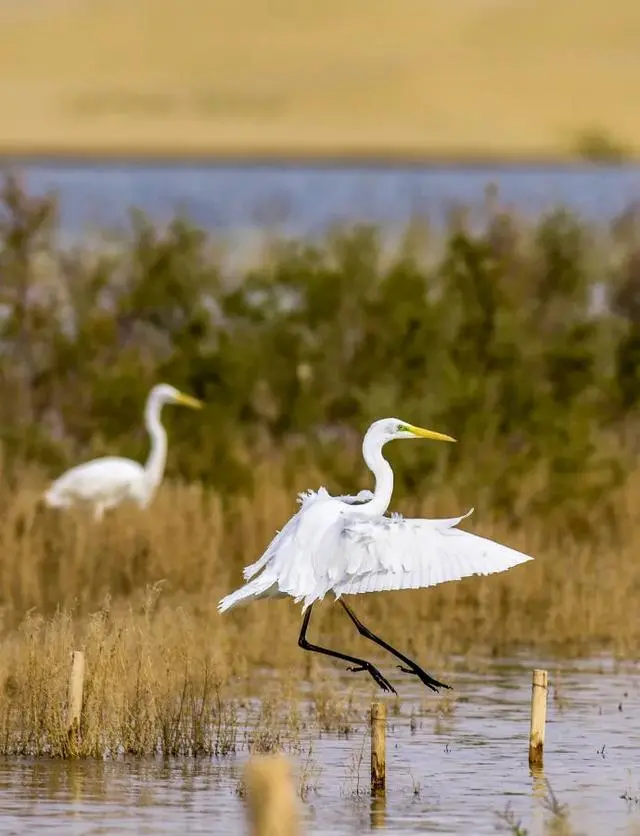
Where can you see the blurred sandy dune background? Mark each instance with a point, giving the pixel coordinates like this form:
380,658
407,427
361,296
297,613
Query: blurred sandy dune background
469,77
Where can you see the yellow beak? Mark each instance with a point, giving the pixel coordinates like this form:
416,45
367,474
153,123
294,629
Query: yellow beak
187,400
419,431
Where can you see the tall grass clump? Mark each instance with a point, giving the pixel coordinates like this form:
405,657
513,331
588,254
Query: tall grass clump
521,340
153,686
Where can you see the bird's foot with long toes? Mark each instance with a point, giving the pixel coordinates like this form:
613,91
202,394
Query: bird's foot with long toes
376,676
423,676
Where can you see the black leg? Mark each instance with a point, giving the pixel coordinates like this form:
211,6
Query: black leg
412,667
358,664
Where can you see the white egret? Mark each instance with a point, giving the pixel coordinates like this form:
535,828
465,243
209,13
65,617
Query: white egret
106,482
347,546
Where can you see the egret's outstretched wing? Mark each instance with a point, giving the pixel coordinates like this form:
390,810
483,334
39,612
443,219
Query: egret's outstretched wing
253,568
395,553
306,499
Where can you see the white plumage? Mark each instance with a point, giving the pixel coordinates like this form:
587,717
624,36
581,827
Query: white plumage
104,483
347,545
425,553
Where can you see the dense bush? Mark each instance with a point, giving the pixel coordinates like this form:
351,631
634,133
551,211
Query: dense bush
490,335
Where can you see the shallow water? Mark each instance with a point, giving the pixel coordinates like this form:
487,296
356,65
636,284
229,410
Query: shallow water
452,773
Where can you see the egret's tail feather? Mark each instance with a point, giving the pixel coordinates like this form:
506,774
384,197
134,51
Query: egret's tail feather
249,571
49,496
259,588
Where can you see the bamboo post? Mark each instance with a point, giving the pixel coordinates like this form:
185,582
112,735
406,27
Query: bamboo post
378,747
377,811
76,686
271,796
538,717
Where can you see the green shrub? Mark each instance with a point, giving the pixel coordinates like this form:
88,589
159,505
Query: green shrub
491,336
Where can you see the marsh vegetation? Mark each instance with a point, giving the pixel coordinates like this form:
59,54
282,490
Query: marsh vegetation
521,340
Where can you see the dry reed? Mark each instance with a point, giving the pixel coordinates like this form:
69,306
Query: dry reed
574,595
166,673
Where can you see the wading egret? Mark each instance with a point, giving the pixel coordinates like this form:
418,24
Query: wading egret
345,546
104,483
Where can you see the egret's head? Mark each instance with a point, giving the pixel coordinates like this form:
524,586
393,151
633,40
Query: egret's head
388,429
164,393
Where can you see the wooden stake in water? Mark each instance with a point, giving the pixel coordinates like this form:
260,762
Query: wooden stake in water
538,717
76,687
378,747
271,796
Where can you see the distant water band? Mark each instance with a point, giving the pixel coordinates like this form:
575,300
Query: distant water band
304,200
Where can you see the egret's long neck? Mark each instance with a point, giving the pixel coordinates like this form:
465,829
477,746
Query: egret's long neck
154,467
381,469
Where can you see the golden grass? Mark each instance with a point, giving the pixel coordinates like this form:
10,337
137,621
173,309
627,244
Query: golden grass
166,672
423,76
152,685
194,544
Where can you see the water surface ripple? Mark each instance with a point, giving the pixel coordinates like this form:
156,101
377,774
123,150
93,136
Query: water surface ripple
446,772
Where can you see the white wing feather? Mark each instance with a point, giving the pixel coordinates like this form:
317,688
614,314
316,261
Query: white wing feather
395,553
306,499
330,546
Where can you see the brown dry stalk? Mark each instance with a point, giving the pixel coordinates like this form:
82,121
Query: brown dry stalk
167,672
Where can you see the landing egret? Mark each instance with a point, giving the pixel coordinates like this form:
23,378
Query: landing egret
346,546
105,483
